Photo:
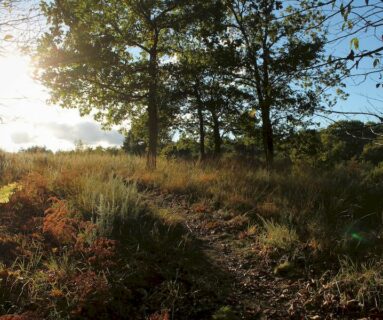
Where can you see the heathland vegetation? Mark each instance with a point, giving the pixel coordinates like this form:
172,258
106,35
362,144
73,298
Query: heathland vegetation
230,198
93,234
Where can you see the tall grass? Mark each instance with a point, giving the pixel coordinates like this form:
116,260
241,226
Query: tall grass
322,205
111,202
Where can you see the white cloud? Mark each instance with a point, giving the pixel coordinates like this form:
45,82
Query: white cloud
29,121
21,137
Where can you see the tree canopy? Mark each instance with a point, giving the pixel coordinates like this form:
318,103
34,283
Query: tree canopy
215,69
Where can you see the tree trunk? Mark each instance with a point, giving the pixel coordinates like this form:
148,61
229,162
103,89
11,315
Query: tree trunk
267,128
267,135
216,134
201,134
151,160
201,123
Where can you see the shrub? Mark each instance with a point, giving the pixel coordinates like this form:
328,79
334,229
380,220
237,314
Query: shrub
59,224
100,254
92,295
111,202
278,236
373,152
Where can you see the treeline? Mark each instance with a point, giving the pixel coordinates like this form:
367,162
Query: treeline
339,142
212,70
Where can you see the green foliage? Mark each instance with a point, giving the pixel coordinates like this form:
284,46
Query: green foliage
304,146
344,140
188,66
225,313
185,148
134,145
373,152
37,149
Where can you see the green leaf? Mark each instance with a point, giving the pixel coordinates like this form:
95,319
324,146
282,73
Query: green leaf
355,43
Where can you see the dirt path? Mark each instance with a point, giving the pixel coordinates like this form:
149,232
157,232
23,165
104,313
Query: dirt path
256,292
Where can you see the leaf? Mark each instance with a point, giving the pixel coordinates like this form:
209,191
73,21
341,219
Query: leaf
377,85
355,43
351,56
8,37
376,62
341,9
367,1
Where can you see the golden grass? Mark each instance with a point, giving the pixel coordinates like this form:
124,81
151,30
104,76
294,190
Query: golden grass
301,197
278,236
7,191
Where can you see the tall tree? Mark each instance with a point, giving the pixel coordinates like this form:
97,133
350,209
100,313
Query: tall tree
109,56
280,45
210,101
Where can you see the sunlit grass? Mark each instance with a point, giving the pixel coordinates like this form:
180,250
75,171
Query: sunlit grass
7,191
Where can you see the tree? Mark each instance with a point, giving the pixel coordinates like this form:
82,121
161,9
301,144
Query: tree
109,56
210,103
373,151
304,145
279,48
344,140
19,24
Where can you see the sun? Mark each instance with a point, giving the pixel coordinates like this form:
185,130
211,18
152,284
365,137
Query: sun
16,80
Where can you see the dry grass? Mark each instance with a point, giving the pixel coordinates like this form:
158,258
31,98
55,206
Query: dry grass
277,236
362,282
100,199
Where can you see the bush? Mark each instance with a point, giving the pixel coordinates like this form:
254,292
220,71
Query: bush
111,203
373,152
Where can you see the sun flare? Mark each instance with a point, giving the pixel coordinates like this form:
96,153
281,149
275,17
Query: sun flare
27,119
16,79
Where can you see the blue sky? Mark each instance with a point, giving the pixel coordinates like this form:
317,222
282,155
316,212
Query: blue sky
30,121
363,94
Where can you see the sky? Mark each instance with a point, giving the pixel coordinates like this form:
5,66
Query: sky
363,94
29,121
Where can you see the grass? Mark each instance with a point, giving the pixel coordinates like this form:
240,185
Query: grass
92,221
277,236
97,240
362,282
7,191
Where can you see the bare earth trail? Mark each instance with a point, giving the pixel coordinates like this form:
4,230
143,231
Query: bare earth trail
256,292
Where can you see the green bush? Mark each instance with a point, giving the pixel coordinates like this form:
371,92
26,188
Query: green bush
373,152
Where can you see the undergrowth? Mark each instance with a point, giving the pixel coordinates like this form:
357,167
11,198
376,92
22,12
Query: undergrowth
80,237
